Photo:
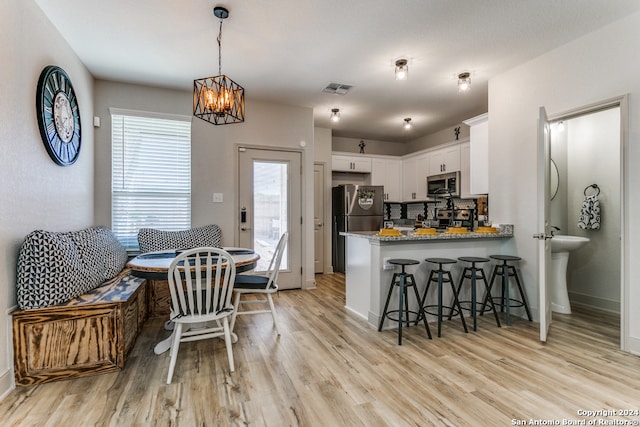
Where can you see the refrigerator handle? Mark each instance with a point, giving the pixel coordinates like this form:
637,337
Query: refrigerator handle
346,224
347,202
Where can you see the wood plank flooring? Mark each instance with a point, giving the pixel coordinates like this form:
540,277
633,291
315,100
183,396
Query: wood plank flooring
330,368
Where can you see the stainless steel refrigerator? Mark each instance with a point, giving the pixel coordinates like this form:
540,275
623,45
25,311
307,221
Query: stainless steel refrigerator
355,208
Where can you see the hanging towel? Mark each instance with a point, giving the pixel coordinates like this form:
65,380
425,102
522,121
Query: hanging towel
590,213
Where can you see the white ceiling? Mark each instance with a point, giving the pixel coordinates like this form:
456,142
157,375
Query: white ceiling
287,51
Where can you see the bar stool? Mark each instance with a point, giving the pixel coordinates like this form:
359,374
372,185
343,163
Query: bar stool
474,274
506,270
403,280
442,276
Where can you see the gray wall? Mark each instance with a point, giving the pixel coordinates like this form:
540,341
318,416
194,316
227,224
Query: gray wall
444,136
35,192
608,66
213,155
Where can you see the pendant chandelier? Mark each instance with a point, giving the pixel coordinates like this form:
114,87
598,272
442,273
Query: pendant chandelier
218,100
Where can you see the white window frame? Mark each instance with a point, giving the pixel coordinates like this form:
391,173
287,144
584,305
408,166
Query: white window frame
149,188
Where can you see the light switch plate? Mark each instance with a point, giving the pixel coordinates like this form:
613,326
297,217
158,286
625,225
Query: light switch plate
218,198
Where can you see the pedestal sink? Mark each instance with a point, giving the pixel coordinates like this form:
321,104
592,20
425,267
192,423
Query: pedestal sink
561,245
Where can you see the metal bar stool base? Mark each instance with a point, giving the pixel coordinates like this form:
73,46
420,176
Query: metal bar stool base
403,315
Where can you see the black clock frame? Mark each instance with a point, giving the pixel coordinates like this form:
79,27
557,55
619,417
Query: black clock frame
54,80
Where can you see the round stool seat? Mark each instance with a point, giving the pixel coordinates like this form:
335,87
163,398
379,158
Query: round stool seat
505,257
403,261
441,260
473,259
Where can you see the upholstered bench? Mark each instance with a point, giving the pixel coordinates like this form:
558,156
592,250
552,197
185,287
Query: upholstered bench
151,240
80,310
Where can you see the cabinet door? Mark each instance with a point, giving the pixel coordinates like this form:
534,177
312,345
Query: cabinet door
361,164
408,180
386,172
479,160
393,186
422,171
465,175
445,160
341,163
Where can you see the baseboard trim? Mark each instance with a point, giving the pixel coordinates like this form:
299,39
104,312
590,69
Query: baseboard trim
6,384
633,346
594,302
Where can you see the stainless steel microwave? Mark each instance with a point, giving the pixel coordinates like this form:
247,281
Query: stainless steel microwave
444,183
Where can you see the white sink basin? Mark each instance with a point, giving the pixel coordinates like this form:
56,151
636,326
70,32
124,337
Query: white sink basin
562,243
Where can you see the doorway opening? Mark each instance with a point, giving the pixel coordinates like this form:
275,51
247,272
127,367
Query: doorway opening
587,153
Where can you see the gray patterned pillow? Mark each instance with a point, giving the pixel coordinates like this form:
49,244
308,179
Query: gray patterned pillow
56,267
150,239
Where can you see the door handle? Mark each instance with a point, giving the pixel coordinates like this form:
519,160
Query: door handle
244,229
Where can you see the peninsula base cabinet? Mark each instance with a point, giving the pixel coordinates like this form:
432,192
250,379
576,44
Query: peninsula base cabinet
367,281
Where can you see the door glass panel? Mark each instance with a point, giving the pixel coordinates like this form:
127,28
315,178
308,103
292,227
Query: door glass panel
270,210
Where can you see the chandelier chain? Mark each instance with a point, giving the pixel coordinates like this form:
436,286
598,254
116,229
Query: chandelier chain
220,49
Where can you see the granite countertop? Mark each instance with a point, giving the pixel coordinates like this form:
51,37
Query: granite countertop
505,230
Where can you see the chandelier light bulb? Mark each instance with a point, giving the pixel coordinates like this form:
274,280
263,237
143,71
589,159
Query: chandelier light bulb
407,123
402,69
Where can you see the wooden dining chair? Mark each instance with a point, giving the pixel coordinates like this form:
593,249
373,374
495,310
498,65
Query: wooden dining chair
201,285
266,283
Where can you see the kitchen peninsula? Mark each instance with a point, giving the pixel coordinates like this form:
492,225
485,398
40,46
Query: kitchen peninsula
368,279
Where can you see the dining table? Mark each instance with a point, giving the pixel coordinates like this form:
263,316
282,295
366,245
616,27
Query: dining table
155,266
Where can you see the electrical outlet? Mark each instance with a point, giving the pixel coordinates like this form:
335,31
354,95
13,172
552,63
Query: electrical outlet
218,198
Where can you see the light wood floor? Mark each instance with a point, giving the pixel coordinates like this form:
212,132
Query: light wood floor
330,368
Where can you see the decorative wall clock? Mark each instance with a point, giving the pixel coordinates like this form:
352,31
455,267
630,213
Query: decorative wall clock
58,115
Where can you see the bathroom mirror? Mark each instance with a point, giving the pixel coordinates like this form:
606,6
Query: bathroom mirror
554,179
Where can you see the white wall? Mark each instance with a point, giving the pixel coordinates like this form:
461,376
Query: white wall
598,66
35,192
213,154
593,157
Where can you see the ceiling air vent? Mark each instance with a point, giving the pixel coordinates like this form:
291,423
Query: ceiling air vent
337,89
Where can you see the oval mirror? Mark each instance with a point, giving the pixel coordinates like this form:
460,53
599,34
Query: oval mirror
554,180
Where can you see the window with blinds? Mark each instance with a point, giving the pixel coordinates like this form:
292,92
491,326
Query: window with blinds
151,174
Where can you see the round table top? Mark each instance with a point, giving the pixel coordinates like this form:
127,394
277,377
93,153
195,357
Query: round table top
158,262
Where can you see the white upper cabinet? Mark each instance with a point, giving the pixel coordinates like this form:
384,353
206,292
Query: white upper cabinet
479,154
344,163
445,160
465,178
415,170
386,171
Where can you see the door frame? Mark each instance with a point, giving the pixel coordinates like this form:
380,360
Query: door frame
543,228
621,102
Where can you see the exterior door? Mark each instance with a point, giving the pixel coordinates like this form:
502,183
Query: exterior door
318,217
544,214
269,204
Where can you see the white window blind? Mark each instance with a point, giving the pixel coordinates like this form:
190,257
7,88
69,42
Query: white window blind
151,175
